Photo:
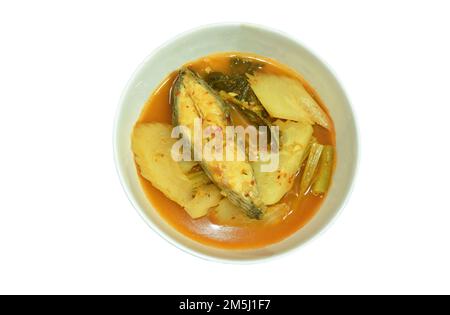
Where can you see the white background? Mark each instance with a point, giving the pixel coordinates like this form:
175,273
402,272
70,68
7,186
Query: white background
66,226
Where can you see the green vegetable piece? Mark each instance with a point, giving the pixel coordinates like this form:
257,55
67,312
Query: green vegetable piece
308,149
311,167
322,182
240,65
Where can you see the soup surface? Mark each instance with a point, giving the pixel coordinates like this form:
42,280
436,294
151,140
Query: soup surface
254,234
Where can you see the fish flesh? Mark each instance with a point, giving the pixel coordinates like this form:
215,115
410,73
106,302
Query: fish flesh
192,98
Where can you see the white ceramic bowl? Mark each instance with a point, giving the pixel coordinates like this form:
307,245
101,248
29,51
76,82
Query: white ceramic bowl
243,38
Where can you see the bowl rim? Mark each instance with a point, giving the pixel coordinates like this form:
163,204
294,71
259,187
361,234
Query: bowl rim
193,252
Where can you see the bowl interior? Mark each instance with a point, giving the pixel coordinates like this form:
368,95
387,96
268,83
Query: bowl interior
243,38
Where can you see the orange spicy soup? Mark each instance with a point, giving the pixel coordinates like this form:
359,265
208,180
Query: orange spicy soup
255,234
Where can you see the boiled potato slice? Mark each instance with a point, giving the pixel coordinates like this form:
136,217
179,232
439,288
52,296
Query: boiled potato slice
286,98
183,182
228,214
187,166
198,179
206,197
295,137
151,144
276,213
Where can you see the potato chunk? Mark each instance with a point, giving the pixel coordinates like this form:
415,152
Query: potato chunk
151,144
228,214
295,137
206,197
287,98
182,182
